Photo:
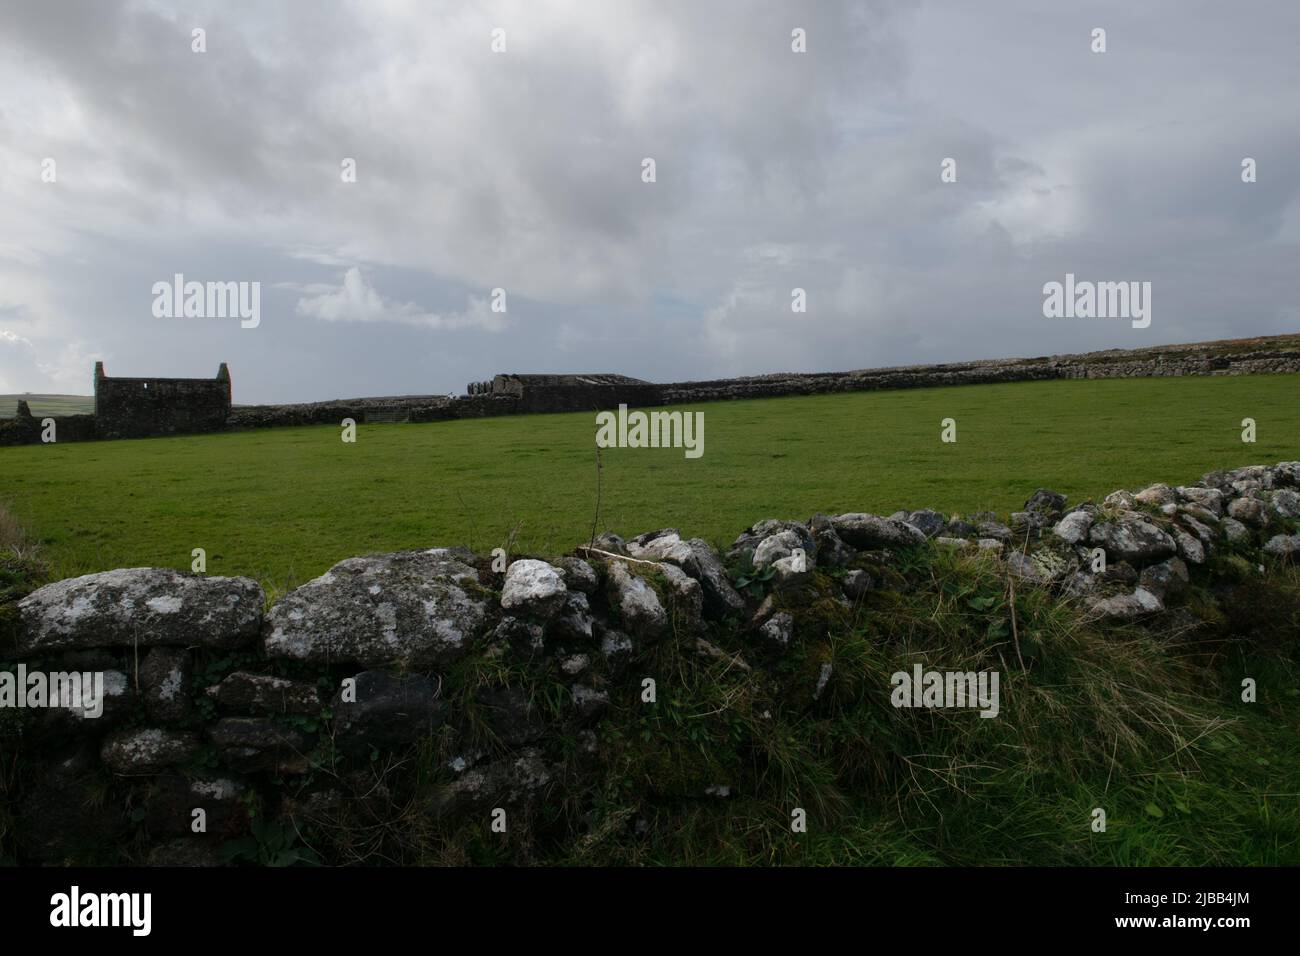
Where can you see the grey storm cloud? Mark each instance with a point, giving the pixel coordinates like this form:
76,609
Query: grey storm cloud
522,171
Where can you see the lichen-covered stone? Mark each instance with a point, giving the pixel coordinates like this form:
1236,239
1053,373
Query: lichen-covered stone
574,622
1155,495
778,630
140,607
638,606
1209,498
1074,527
870,531
147,749
1133,539
698,559
1046,502
685,598
1249,511
505,783
413,607
264,695
1165,580
1283,545
165,684
579,575
533,587
588,701
1127,607
1234,531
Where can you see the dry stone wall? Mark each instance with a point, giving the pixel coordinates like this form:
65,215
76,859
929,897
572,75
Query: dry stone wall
214,702
137,407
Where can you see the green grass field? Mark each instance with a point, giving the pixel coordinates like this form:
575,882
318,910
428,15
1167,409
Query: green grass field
282,505
47,404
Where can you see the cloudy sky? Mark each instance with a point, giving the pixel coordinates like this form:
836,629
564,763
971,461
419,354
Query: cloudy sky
522,170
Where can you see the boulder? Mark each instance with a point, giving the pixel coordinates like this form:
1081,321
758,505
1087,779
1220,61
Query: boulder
1248,511
783,544
263,695
1156,495
1285,503
1204,533
1234,531
654,545
1023,567
1127,607
856,583
413,607
115,705
778,630
1045,502
140,607
588,701
685,598
959,528
927,521
1166,579
165,684
1120,501
1286,474
533,587
639,608
742,549
616,647
1135,540
1189,547
388,713
870,531
256,744
510,782
1203,515
995,530
1211,499
516,632
831,551
609,541
960,544
575,621
698,559
1031,522
1074,527
1283,545
579,575
147,749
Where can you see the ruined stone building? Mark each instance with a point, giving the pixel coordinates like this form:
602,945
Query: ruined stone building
139,407
574,393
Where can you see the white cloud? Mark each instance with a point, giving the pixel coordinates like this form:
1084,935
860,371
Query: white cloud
358,301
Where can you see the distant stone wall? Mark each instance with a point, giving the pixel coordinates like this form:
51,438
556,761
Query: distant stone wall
1208,359
26,429
143,407
215,703
425,408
